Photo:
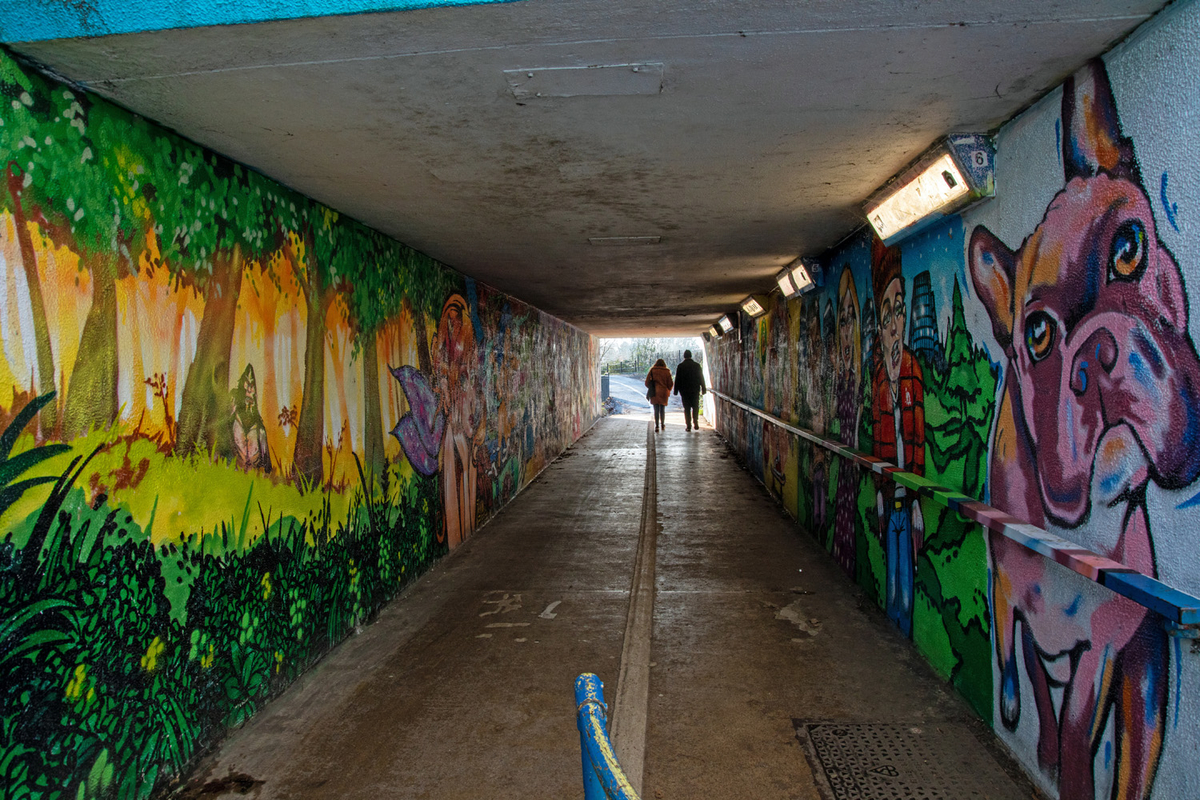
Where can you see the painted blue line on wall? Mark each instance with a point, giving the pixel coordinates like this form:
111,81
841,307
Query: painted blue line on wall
19,22
1170,208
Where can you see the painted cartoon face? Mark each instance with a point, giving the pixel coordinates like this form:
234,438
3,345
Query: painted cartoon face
1099,338
891,327
847,314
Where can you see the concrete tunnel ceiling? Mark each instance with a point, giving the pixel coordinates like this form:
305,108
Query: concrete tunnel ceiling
749,135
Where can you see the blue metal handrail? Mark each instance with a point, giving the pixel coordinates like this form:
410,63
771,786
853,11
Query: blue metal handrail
1181,610
603,778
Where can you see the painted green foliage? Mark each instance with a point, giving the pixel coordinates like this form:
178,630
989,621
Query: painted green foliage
951,568
198,491
955,633
109,675
959,404
50,170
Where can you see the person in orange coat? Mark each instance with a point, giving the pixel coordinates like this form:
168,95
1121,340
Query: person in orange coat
658,381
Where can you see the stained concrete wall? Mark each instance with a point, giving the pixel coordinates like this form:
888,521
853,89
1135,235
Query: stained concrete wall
1036,352
235,425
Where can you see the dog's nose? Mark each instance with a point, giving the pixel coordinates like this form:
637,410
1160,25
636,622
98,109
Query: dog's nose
1097,351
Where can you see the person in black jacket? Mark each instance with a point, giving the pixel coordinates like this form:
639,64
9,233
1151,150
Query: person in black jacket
689,385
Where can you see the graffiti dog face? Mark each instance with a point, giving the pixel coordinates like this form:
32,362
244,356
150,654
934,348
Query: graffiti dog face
1092,313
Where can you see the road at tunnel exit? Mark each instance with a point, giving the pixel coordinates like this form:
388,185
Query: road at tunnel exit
631,390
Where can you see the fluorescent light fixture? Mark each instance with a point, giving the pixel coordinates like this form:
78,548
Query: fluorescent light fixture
951,175
725,324
801,275
713,333
784,279
708,337
754,306
936,186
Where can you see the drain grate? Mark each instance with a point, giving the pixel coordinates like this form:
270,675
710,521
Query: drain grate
940,761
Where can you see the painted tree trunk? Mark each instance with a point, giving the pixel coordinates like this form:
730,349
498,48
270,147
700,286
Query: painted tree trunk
269,395
48,416
310,428
135,367
339,338
174,370
418,319
205,416
373,443
92,397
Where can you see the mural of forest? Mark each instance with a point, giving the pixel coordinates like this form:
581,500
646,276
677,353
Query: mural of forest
1035,352
235,424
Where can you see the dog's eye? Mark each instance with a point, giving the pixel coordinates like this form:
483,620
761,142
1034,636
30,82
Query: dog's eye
1128,258
1039,334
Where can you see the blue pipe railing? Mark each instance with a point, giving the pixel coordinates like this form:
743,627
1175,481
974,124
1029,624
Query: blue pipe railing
1181,610
603,778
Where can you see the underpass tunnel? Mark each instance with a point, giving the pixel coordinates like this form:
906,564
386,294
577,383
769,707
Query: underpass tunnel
327,427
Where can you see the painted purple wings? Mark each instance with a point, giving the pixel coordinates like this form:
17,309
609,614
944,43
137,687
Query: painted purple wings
420,430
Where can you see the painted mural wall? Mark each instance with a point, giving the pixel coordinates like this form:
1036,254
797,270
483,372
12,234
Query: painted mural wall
234,425
1036,352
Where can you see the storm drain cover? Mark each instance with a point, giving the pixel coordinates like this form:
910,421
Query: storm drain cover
939,761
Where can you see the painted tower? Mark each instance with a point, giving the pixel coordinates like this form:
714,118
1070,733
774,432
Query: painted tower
923,338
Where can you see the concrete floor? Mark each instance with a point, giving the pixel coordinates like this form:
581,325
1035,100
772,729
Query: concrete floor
462,688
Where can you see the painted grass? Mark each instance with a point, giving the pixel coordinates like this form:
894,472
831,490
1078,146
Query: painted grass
174,498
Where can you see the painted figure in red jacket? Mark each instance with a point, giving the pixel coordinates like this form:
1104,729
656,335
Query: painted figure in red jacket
898,414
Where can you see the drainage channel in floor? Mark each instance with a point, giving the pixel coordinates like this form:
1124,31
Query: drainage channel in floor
887,761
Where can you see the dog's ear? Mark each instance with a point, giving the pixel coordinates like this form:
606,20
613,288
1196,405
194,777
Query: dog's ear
1092,140
992,268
